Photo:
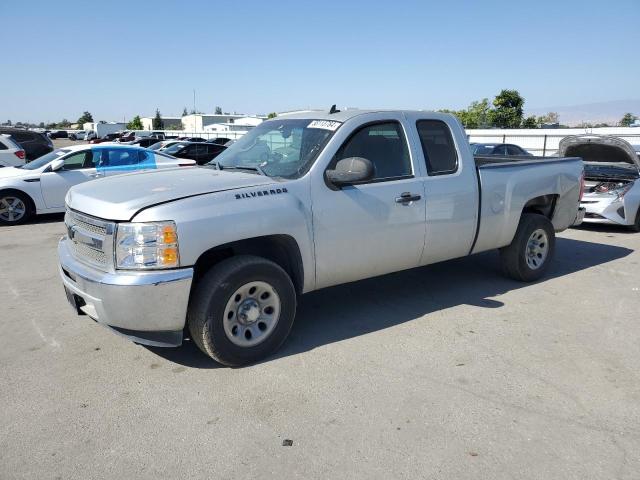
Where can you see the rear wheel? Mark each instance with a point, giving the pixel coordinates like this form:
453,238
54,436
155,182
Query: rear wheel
242,310
15,208
527,257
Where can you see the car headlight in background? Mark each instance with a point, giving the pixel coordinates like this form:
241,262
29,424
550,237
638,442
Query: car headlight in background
141,246
617,189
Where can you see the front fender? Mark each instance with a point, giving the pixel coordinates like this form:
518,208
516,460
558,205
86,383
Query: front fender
214,219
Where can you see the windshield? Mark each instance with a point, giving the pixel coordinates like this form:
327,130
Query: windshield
281,148
43,160
155,146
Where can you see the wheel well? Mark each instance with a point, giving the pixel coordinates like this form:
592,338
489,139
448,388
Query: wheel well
280,249
543,205
32,204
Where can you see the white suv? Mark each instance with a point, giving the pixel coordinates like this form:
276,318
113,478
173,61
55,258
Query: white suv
11,154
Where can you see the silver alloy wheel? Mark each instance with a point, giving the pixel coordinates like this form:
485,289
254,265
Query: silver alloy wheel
251,314
12,209
537,249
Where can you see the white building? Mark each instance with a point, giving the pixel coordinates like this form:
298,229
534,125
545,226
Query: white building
197,122
238,125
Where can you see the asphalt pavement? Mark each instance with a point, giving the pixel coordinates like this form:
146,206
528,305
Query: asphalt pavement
449,371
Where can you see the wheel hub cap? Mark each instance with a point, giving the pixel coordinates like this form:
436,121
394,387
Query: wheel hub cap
249,311
537,249
251,314
12,209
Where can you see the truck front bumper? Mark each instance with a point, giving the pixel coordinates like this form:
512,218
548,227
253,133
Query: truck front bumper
148,307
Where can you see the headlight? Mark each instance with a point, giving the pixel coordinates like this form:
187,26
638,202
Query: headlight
141,246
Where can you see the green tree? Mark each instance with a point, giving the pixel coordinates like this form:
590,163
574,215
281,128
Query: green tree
157,123
64,123
135,124
218,111
530,122
551,117
41,125
9,122
272,115
628,119
184,112
507,112
84,118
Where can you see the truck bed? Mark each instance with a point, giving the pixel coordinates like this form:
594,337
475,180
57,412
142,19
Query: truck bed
507,183
500,161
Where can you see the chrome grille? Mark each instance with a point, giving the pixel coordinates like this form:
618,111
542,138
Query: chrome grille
91,239
94,256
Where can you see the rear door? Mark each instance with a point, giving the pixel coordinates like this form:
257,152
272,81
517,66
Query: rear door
78,168
451,190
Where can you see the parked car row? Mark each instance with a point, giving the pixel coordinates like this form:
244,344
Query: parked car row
41,186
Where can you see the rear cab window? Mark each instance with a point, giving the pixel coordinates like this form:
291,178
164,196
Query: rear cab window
439,150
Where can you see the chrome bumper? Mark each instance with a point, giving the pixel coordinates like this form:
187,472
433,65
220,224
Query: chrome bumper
148,307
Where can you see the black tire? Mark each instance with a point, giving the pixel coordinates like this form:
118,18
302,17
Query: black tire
205,317
24,198
514,257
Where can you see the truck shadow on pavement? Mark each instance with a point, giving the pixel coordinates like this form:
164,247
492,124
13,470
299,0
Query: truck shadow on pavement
346,311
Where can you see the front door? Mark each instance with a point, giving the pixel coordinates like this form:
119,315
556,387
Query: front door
370,229
78,168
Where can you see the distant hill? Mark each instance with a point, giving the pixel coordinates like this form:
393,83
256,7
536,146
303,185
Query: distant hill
601,112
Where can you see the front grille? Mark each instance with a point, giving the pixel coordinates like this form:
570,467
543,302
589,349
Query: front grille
94,256
90,238
98,230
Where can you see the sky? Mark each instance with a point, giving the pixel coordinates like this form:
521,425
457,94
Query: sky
118,59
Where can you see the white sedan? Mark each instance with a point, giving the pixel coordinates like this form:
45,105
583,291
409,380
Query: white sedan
41,186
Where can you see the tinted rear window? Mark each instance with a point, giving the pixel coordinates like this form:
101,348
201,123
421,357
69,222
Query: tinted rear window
437,145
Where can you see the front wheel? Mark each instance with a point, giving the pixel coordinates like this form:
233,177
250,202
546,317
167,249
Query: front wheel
242,310
15,208
527,257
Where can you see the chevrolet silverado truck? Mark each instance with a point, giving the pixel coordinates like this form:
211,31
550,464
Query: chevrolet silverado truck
305,201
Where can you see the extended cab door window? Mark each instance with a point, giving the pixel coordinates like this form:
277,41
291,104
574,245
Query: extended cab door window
384,145
439,151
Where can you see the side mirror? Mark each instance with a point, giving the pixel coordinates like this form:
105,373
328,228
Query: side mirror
351,170
57,164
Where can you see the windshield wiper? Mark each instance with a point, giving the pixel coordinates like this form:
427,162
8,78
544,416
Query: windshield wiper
251,168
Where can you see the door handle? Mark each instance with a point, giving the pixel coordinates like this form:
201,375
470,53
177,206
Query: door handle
407,198
96,175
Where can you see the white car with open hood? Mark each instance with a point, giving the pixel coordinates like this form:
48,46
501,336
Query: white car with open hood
612,169
41,186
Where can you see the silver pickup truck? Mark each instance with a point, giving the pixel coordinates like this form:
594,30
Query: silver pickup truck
301,202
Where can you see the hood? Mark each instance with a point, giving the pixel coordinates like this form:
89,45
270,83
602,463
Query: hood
599,149
122,196
11,172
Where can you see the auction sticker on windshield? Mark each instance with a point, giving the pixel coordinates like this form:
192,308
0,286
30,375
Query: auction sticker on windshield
325,124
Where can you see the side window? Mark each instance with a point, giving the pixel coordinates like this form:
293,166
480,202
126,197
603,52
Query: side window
3,146
79,160
500,150
384,145
438,147
514,150
200,149
121,158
